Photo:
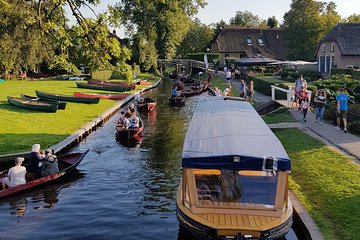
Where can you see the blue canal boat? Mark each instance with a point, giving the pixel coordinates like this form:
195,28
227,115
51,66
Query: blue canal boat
234,175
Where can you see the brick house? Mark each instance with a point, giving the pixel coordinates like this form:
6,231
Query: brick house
339,48
237,43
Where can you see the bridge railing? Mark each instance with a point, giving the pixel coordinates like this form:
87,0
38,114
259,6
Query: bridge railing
288,94
189,62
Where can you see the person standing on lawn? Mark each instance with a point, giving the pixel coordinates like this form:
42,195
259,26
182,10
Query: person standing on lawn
342,108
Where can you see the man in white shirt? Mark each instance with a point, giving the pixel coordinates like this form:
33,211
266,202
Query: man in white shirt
16,175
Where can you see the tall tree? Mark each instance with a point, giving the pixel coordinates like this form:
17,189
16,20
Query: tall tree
354,18
245,19
219,26
304,29
197,39
157,26
329,16
272,22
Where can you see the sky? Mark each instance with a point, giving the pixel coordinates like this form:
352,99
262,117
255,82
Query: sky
226,9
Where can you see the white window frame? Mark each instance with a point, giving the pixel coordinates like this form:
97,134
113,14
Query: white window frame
333,47
323,48
249,41
261,42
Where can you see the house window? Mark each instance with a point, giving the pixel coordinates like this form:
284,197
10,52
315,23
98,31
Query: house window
249,42
243,55
227,55
332,47
332,61
323,48
261,42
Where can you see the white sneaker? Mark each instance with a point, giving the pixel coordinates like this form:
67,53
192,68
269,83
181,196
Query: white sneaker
321,123
337,128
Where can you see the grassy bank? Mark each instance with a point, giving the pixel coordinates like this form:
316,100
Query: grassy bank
326,182
21,128
279,116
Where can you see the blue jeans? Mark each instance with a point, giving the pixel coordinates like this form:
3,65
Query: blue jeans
320,113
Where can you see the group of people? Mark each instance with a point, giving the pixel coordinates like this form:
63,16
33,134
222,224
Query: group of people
129,119
300,96
41,163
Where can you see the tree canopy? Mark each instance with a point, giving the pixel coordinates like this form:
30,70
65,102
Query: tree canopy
245,19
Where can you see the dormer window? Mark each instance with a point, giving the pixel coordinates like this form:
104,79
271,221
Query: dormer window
249,42
261,42
323,48
332,47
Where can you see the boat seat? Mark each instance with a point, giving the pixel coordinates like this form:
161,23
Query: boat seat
30,177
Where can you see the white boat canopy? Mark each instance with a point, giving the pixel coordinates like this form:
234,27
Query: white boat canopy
230,134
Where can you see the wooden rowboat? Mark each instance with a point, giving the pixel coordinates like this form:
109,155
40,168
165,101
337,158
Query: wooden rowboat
67,163
100,95
67,98
121,132
143,82
61,104
147,104
108,83
104,87
178,101
33,105
244,184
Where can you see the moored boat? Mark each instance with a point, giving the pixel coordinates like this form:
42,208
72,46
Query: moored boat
234,175
100,95
67,98
67,163
121,132
147,104
33,105
108,83
113,88
61,104
143,82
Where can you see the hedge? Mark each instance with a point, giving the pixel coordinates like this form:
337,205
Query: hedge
346,71
263,85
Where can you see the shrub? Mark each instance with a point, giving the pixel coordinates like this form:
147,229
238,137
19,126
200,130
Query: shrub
263,85
355,74
346,71
310,75
101,74
284,74
295,75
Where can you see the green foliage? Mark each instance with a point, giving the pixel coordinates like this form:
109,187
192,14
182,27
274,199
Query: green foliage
197,39
355,74
272,22
219,26
263,84
245,19
101,74
353,116
284,74
354,18
327,183
308,21
310,75
279,116
295,75
337,71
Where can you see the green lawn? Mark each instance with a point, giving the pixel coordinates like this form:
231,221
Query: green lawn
326,182
279,116
21,128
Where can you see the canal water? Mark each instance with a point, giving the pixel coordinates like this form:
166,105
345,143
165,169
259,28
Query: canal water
122,190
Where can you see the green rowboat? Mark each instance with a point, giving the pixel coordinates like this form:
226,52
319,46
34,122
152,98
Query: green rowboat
66,98
104,87
34,105
61,104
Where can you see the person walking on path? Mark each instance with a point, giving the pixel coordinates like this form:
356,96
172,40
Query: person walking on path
250,92
228,77
305,106
320,101
300,84
342,108
242,88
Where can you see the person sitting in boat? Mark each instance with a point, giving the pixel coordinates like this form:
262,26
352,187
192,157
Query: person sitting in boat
134,121
16,175
132,107
121,118
174,91
35,162
138,97
50,164
217,91
126,123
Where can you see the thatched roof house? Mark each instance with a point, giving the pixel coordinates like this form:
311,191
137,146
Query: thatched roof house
236,43
340,48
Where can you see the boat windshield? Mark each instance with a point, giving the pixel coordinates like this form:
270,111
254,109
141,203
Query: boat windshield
238,188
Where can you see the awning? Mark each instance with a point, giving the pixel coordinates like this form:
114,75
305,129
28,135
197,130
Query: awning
255,61
228,134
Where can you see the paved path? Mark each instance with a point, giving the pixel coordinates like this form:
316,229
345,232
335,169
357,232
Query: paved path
348,143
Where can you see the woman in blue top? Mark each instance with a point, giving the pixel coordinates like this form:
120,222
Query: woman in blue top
174,92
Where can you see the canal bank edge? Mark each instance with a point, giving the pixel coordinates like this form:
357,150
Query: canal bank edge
83,132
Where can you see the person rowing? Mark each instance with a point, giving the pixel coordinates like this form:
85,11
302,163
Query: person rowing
134,121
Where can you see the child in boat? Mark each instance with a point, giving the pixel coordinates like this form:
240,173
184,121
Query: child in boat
138,97
227,91
50,164
121,118
132,107
134,121
126,123
217,91
16,175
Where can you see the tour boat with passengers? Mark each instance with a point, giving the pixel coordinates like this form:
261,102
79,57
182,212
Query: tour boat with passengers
234,175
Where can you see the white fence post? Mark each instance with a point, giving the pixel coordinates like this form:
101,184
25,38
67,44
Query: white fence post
273,92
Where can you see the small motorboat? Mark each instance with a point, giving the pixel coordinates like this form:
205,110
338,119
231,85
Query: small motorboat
177,101
61,104
33,105
67,163
67,98
100,95
147,104
122,132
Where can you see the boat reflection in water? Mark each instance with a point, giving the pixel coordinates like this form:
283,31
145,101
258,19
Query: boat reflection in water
235,175
132,142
